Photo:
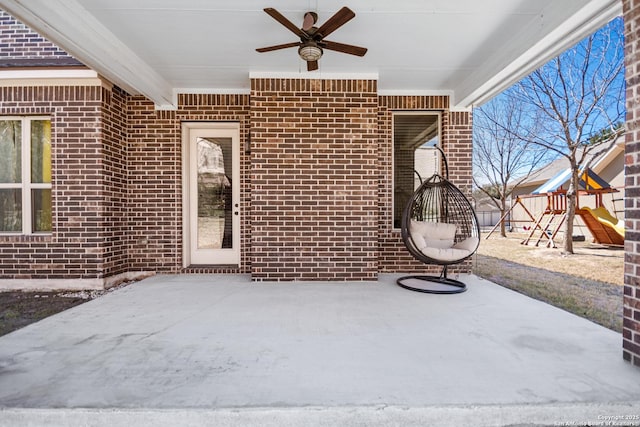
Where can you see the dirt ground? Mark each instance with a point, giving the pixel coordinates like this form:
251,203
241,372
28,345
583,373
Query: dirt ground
590,261
19,309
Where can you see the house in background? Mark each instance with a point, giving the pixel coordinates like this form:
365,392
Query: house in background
310,167
608,165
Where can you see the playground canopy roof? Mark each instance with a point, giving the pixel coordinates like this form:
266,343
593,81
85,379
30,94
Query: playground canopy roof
589,180
605,163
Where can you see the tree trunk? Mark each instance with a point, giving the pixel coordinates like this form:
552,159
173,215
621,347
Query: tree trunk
567,246
503,209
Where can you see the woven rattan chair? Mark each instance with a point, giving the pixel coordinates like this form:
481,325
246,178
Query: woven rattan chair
439,226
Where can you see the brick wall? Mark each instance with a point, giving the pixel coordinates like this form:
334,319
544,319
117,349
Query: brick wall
631,304
316,186
314,179
155,178
74,249
154,175
115,218
458,138
19,41
301,228
308,183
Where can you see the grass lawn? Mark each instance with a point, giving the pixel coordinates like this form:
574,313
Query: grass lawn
588,283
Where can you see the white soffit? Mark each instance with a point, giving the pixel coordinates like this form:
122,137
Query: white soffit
72,27
470,49
51,77
501,71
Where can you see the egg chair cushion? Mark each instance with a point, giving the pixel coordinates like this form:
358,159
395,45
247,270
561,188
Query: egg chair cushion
445,255
432,234
453,253
468,245
436,241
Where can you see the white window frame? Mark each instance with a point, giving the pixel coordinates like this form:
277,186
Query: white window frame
26,185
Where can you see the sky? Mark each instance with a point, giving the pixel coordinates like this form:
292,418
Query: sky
576,77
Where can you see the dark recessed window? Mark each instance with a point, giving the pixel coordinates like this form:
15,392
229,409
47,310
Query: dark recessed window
414,156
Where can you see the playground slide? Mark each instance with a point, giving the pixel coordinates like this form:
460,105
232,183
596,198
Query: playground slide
603,216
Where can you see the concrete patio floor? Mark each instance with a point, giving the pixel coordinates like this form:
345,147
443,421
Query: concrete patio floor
222,350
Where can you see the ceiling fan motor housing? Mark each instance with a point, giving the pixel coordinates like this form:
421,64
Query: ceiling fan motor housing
310,18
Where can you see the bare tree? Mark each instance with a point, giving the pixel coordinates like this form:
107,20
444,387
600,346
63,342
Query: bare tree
578,94
502,157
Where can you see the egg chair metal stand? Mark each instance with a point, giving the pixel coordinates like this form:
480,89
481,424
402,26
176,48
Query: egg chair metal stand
439,226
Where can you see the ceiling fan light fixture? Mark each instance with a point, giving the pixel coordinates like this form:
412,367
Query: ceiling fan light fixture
310,52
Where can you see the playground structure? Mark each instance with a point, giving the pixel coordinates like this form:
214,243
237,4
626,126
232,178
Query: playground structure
605,228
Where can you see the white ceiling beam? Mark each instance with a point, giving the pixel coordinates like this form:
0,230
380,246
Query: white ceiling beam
499,72
79,33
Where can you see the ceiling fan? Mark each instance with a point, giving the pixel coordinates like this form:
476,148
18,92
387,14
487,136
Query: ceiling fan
312,42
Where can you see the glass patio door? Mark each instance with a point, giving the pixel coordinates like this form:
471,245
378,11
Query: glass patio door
212,196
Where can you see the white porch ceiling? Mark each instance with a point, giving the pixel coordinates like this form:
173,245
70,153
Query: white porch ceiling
469,49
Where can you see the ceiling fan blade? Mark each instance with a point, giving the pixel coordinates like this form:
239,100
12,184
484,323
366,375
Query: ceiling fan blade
284,21
312,65
340,18
344,48
278,46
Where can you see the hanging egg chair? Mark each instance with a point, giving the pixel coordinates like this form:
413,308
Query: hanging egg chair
439,226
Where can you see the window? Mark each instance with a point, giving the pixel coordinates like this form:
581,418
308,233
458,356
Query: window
25,175
414,158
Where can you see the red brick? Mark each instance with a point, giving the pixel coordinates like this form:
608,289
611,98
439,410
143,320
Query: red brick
631,321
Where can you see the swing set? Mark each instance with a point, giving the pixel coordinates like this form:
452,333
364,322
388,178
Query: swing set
605,228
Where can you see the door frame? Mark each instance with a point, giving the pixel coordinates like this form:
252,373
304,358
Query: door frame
223,129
